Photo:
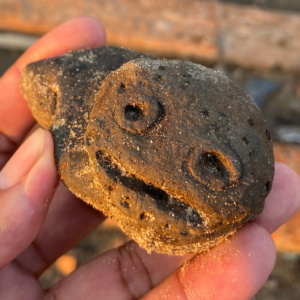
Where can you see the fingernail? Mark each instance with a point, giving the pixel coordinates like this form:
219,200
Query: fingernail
23,160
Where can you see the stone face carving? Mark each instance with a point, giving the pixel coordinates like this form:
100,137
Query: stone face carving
176,153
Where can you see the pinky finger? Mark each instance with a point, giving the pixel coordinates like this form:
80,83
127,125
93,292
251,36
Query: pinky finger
27,183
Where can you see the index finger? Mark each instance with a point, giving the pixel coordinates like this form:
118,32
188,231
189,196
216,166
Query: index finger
15,116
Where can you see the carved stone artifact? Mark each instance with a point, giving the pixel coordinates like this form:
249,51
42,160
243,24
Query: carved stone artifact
176,153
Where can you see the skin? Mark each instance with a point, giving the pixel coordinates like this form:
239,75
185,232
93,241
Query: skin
34,234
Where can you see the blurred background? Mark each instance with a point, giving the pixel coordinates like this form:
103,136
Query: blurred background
255,42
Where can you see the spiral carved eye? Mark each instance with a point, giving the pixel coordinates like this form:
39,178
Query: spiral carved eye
214,167
137,115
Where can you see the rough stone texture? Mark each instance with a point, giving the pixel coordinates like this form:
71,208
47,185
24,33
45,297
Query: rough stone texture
60,92
178,154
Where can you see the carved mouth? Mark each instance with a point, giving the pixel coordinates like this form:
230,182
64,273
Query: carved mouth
162,200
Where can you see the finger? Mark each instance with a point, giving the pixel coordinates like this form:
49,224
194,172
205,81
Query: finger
78,33
27,183
233,270
230,269
127,272
15,116
7,147
283,200
69,220
17,284
160,265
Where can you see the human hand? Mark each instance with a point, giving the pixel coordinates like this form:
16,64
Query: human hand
34,234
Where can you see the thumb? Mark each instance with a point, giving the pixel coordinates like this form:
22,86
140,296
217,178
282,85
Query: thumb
27,184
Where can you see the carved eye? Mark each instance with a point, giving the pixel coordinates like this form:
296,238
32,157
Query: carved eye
216,168
138,115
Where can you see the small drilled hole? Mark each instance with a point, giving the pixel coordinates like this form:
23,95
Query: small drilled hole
122,88
267,186
205,113
268,134
245,141
133,113
158,78
185,85
162,68
167,226
250,122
